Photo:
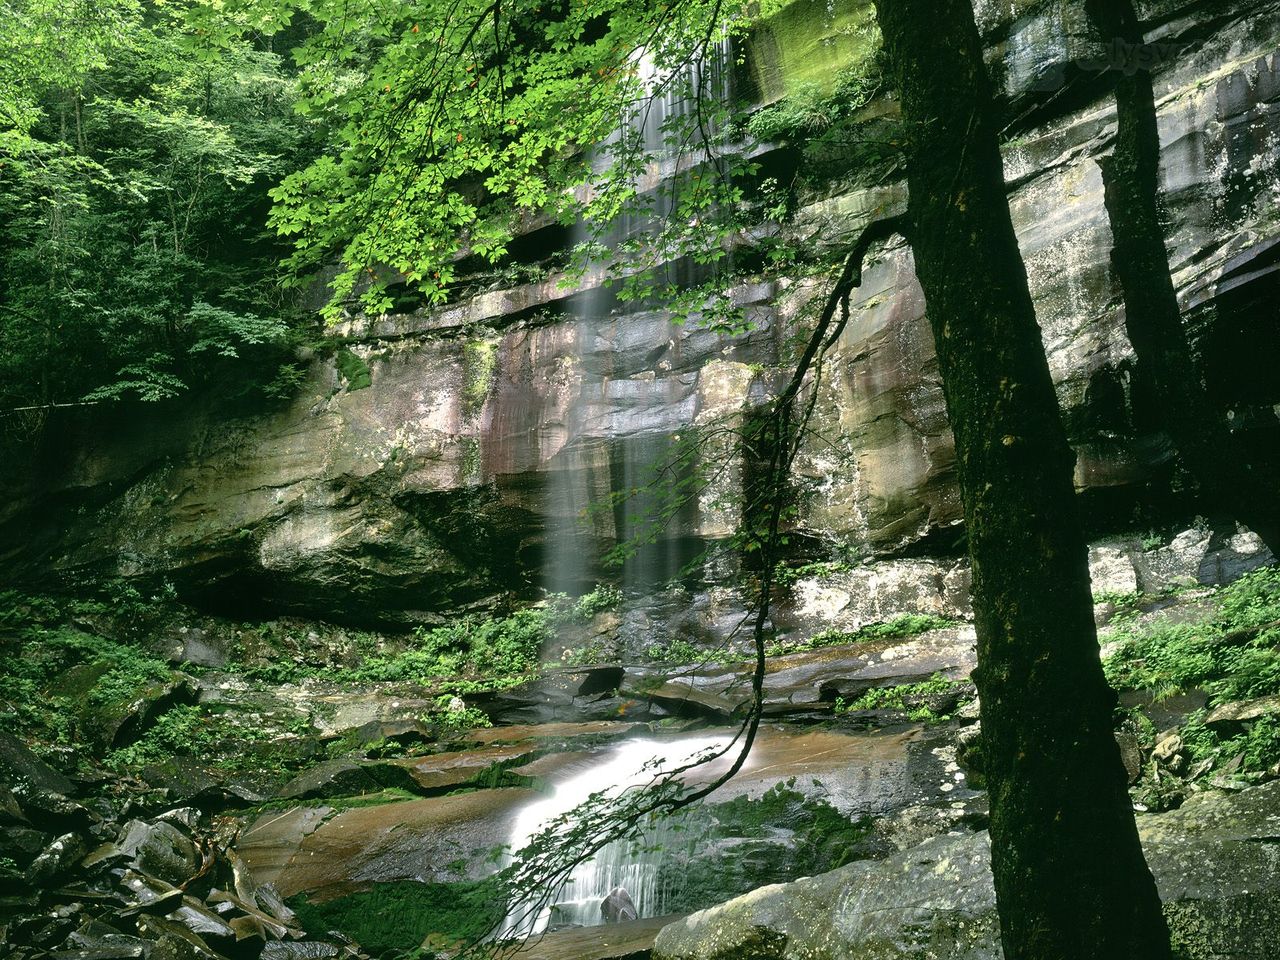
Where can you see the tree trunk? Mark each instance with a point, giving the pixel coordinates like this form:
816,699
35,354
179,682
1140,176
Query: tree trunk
1153,318
1070,877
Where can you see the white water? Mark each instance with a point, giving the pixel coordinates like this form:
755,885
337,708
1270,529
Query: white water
632,865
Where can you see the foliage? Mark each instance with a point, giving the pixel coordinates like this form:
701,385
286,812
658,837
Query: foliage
920,701
813,109
1233,656
447,125
678,650
600,600
133,200
454,719
56,680
393,919
786,576
905,625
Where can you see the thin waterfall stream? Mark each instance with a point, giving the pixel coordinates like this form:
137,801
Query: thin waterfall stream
613,436
601,396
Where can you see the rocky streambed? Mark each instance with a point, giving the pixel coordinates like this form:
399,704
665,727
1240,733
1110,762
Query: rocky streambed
238,799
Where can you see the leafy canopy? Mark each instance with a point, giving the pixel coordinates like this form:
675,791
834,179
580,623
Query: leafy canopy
451,124
133,203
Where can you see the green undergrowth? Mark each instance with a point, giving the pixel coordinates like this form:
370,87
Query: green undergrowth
222,740
471,654
396,919
68,692
1231,657
60,684
929,701
907,625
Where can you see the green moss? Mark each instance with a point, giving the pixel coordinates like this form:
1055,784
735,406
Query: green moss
705,870
354,371
480,360
393,919
803,44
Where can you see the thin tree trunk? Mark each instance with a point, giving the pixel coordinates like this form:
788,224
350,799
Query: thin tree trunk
1153,318
80,143
1070,877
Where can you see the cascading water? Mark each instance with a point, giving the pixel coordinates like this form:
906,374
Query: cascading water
615,432
633,866
615,429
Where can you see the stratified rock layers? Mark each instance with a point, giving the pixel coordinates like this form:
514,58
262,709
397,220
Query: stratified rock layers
494,420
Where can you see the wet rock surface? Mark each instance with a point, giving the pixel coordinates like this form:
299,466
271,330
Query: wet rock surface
162,887
1211,858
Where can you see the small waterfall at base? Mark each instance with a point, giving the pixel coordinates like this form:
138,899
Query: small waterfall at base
632,865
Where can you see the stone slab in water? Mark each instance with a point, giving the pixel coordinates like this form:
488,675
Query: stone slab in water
412,840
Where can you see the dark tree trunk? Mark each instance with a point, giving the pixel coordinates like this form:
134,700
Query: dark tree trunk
1153,318
1070,877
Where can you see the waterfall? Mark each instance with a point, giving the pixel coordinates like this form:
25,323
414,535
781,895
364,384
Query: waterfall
631,865
616,427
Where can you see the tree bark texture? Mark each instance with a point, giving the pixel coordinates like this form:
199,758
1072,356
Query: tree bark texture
1071,882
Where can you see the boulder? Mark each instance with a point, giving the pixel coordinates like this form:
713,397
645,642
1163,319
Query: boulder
24,771
56,859
160,850
1211,858
618,906
124,721
1230,715
346,777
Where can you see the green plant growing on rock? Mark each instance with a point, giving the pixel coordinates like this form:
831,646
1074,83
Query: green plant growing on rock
929,701
355,372
900,627
1233,656
678,650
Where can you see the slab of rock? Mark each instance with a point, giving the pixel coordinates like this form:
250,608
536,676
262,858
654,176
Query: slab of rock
306,851
1229,714
160,850
804,682
55,860
1212,859
444,771
345,777
23,770
616,941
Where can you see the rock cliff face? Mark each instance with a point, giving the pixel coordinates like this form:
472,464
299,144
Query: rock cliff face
490,424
